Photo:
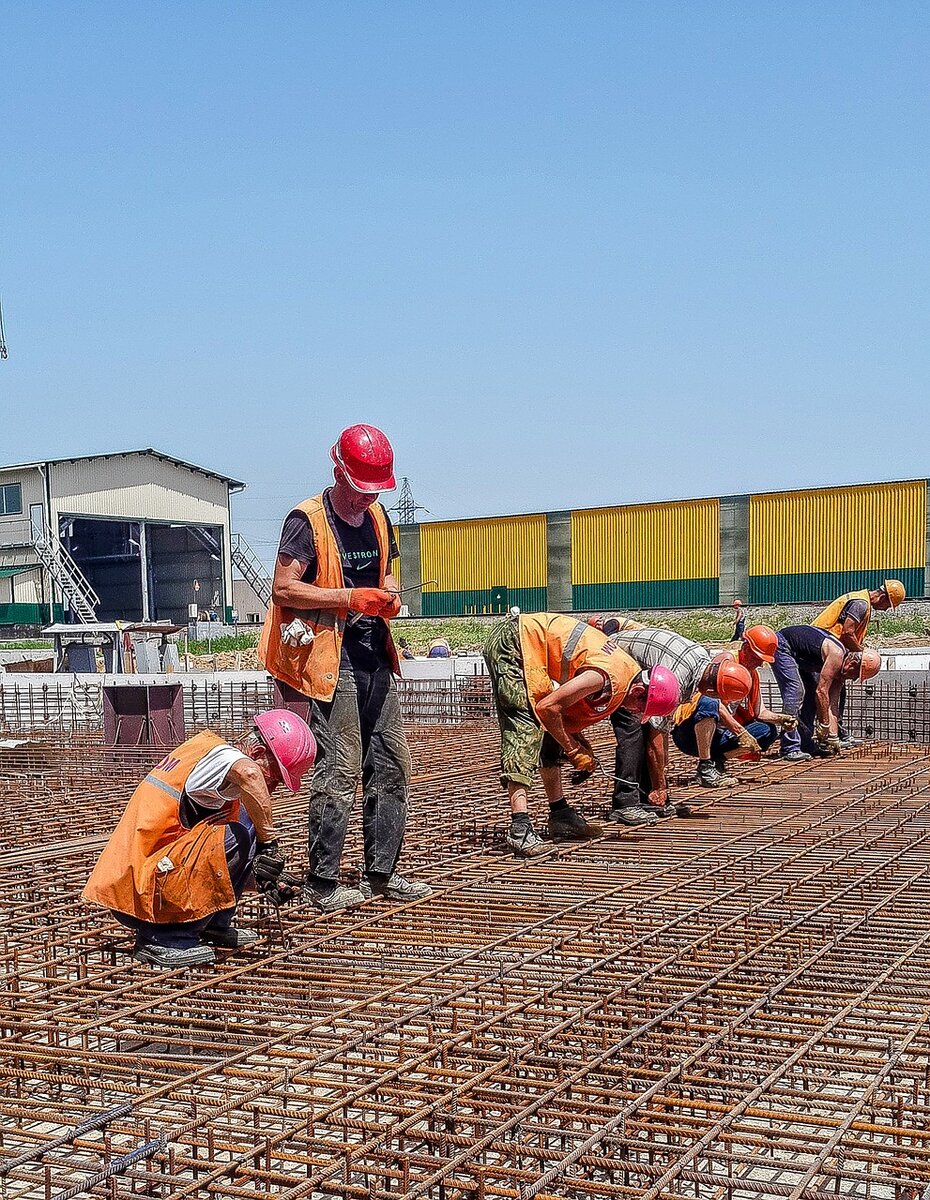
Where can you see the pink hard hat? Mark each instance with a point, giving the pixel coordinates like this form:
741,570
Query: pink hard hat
289,739
662,692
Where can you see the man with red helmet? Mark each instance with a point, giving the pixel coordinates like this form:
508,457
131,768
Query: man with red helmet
707,729
328,644
552,677
194,832
640,794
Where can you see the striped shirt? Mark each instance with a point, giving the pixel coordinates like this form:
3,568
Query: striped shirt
686,660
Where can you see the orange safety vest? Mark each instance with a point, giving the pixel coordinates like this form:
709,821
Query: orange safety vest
556,648
132,875
830,617
314,670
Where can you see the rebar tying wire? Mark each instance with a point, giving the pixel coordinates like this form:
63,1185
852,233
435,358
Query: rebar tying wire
88,1126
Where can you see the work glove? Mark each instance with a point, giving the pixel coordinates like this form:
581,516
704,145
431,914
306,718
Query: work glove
283,890
374,602
786,721
582,759
825,739
747,743
267,865
296,633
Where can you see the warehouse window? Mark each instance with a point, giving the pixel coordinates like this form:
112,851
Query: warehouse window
11,499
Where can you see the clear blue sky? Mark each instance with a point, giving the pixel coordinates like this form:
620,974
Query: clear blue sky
564,253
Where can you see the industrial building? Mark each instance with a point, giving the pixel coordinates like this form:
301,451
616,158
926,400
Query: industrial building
768,548
136,536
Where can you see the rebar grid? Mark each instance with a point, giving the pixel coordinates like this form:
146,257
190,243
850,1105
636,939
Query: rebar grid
735,1006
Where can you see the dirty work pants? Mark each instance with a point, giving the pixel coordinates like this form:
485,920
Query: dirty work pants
359,736
239,843
724,740
798,689
631,769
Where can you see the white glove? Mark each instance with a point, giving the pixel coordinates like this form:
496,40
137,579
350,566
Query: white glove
297,633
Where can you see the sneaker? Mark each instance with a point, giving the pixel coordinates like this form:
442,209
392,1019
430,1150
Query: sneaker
395,888
708,776
340,897
633,814
230,938
568,825
169,956
524,841
796,756
850,743
728,779
660,811
684,810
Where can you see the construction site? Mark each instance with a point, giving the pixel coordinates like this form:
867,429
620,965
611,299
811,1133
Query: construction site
732,1006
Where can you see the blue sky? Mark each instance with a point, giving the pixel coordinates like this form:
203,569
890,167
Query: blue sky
565,254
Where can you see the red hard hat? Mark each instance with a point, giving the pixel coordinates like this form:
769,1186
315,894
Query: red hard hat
367,458
762,641
289,739
733,683
663,692
870,663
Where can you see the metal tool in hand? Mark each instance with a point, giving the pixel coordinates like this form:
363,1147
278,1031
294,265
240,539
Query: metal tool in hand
414,587
284,889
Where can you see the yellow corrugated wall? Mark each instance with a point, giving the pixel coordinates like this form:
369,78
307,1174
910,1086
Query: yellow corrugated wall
838,529
646,542
485,553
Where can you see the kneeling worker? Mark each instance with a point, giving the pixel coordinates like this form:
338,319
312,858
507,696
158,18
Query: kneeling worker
552,677
706,729
194,831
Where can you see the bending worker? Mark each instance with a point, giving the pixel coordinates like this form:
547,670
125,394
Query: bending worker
553,676
193,833
706,729
848,617
327,642
810,668
640,794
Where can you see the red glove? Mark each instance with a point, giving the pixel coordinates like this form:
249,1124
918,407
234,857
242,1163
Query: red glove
392,609
373,602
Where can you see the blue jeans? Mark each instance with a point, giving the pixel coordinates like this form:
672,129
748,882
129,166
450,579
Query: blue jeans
685,739
798,689
239,843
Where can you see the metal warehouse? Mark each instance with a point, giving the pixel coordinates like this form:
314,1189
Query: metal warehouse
138,535
769,548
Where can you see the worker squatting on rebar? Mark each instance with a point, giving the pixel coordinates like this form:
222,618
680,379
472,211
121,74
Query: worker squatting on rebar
197,828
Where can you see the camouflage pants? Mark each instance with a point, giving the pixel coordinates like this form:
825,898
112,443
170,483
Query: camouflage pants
524,743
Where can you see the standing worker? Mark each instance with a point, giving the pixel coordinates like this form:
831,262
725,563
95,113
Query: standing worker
327,642
848,617
810,668
640,794
708,731
553,676
194,831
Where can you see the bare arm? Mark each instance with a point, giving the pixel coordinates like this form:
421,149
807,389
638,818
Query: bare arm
287,591
252,790
829,683
551,708
728,721
847,634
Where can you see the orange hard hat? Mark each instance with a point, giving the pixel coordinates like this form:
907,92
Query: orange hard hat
870,663
894,590
762,641
733,682
366,458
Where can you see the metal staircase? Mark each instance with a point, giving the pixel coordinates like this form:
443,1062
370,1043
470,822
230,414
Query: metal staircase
80,596
246,561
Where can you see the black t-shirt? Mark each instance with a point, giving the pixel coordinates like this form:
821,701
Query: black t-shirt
365,639
805,643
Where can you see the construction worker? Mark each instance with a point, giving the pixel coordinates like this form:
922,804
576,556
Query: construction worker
552,676
327,642
707,730
438,648
194,832
810,668
640,794
848,617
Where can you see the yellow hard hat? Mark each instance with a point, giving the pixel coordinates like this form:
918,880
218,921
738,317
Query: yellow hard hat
894,590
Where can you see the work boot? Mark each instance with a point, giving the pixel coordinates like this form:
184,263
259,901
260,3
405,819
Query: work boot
566,824
632,814
796,756
171,957
729,780
523,839
230,938
395,888
340,897
850,743
660,811
709,776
